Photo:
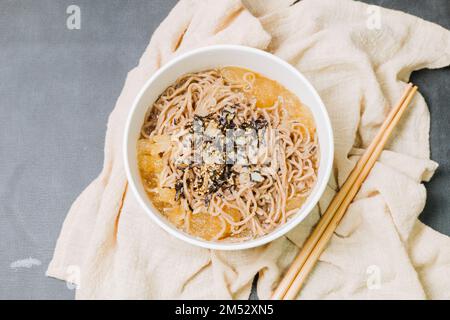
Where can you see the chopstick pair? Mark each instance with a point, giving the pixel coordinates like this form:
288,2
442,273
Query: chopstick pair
292,282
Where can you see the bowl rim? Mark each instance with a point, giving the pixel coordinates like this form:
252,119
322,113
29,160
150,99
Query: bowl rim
311,202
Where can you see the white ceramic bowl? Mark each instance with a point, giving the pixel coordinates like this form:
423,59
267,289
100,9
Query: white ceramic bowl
261,62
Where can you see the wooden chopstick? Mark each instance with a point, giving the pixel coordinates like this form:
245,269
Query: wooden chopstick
334,205
321,245
313,247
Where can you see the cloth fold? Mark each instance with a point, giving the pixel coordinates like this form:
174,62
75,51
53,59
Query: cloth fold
380,250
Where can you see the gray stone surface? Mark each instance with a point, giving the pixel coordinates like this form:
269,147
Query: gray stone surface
57,88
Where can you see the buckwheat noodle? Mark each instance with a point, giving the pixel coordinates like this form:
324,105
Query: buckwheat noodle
284,167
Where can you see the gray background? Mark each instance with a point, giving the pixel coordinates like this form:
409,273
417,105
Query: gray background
57,88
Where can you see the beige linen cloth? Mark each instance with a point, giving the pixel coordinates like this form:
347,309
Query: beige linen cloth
359,58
